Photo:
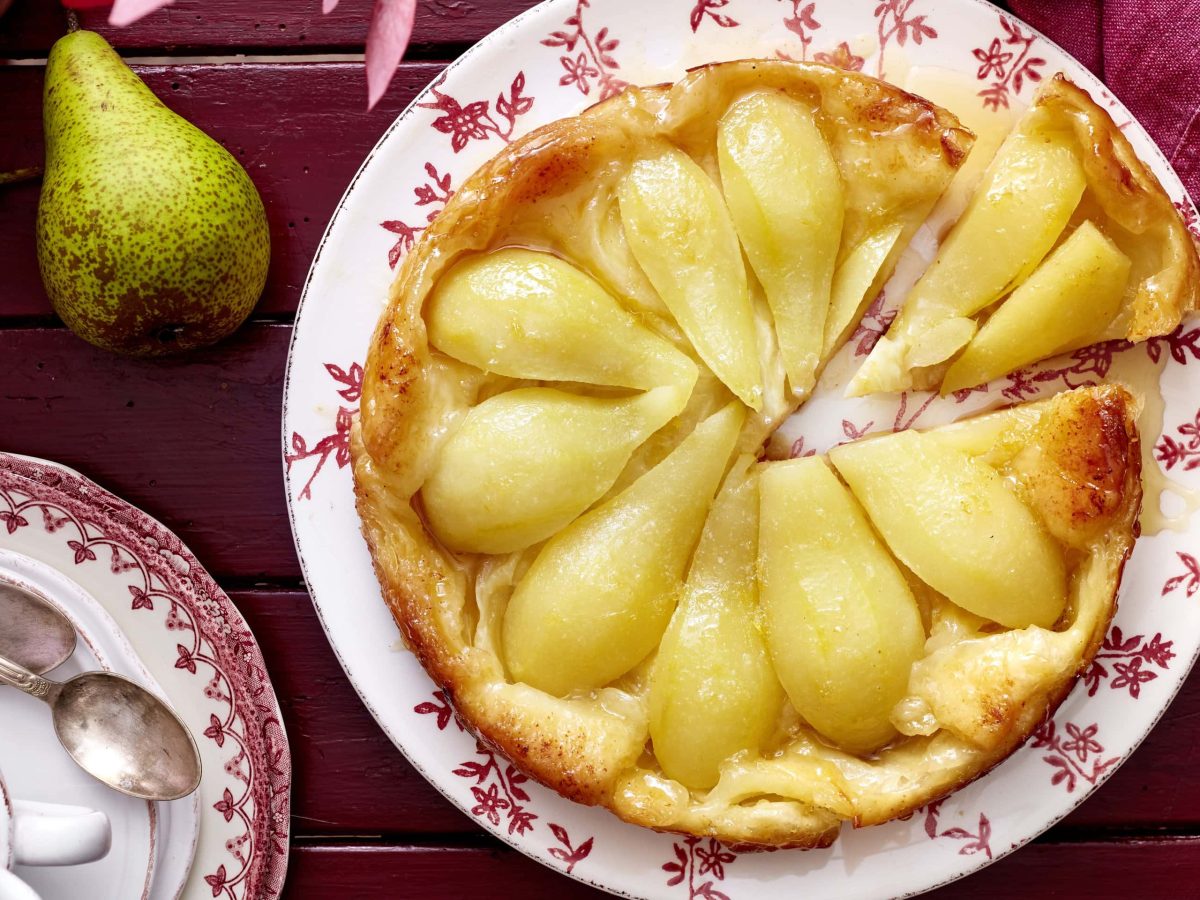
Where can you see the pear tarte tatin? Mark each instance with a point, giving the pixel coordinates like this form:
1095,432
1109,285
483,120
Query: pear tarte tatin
556,466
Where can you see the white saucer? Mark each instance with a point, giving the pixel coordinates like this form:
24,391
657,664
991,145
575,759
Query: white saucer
195,643
152,843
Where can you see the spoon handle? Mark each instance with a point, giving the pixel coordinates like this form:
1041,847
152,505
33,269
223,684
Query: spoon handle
22,679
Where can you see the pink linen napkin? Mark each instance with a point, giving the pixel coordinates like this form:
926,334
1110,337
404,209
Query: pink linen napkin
1148,53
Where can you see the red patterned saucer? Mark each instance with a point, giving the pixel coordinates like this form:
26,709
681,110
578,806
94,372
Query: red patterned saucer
196,645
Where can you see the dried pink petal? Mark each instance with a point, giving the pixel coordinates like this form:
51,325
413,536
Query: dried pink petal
126,12
387,39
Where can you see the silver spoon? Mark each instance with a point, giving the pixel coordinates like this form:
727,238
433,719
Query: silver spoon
33,633
117,731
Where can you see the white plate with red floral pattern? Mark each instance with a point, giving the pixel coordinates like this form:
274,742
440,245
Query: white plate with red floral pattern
152,843
552,62
80,542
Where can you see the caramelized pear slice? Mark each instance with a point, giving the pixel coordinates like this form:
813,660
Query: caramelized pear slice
524,464
784,193
1026,198
1067,303
527,314
852,283
680,233
955,522
713,692
843,627
597,598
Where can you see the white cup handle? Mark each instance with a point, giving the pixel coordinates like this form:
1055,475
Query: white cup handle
50,834
13,888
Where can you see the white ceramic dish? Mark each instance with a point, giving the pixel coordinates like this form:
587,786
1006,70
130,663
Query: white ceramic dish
554,61
152,843
195,646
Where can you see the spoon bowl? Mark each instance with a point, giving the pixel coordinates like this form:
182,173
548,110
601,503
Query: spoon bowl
123,735
116,731
33,632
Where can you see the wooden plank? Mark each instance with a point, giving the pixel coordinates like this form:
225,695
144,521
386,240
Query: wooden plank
493,872
302,139
348,778
1097,871
193,440
351,780
227,26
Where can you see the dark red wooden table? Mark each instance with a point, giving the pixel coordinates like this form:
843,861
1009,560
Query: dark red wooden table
195,442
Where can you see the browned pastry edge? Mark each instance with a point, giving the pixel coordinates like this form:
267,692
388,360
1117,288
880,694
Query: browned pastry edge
1133,197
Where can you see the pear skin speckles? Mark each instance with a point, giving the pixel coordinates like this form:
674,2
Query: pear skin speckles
151,237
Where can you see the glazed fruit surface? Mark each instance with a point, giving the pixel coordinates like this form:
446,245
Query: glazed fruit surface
559,461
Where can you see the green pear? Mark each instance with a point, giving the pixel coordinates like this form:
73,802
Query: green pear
151,237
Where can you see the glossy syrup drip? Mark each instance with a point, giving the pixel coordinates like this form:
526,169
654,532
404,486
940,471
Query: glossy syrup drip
1142,376
960,94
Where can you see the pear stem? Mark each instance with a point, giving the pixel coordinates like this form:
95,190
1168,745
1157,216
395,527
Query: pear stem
72,22
29,173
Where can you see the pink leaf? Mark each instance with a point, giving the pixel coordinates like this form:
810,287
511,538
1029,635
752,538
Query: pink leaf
443,712
985,828
328,6
126,12
387,39
931,817
140,599
471,769
185,660
217,881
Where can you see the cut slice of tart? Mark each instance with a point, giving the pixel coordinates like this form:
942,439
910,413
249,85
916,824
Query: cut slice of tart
1070,239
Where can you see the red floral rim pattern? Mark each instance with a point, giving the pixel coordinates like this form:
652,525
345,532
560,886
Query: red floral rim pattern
214,643
585,49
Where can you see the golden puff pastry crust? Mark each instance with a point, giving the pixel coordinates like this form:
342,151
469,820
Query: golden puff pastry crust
1075,459
1111,191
